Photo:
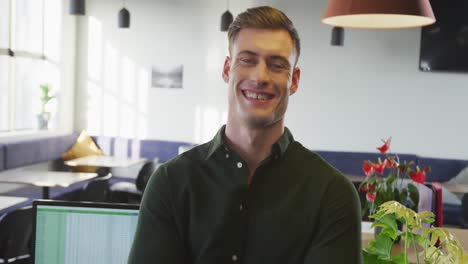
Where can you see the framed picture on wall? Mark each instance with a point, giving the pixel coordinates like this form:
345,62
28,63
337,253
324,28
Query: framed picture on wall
167,76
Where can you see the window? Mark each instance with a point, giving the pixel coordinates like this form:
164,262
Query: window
30,56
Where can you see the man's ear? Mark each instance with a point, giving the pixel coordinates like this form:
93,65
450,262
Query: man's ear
295,80
226,69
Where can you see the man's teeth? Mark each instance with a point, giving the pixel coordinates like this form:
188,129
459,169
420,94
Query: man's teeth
256,96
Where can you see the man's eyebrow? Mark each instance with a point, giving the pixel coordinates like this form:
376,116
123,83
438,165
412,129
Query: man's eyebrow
281,58
247,52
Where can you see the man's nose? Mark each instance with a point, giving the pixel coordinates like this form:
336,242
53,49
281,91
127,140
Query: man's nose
261,73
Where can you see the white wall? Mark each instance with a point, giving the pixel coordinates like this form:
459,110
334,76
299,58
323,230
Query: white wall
349,98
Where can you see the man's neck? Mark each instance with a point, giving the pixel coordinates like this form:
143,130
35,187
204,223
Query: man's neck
253,144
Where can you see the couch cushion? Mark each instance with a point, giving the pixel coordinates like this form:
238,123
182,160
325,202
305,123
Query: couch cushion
22,153
461,178
2,157
350,163
164,150
442,169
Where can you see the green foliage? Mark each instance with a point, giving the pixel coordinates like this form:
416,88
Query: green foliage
433,244
45,95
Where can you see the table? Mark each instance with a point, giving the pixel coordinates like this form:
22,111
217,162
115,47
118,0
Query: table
9,201
45,179
103,161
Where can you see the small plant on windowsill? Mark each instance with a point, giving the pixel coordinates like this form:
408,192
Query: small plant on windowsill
385,180
431,244
44,116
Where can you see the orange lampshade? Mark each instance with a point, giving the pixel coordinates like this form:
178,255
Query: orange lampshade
378,13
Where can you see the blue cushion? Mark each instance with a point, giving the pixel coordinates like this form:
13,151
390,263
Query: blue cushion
22,153
2,157
164,150
350,163
442,169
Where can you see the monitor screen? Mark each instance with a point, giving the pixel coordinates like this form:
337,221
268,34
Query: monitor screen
68,233
444,45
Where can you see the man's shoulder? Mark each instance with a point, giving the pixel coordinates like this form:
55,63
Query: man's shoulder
313,163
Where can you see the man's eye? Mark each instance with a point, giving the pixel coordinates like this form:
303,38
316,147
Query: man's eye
278,66
246,60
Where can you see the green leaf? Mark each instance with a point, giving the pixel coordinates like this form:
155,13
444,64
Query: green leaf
413,193
381,246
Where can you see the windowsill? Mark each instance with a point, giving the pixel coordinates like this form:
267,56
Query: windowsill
29,134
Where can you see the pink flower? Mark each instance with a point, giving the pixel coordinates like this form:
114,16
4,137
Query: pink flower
386,146
367,168
370,197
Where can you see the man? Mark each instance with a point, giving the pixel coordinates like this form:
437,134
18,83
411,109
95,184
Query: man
252,194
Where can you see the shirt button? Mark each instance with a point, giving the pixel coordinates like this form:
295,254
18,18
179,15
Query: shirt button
239,165
276,156
227,155
234,257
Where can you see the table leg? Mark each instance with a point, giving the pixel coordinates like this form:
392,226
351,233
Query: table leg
45,192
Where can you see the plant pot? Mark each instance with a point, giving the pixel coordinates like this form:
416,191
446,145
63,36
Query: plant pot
43,120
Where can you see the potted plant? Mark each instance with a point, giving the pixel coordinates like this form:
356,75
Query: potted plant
430,244
44,116
389,179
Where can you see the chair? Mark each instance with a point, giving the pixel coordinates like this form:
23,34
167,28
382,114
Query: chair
465,210
127,192
16,236
437,203
97,190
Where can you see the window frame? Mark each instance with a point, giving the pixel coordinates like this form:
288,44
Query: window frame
39,57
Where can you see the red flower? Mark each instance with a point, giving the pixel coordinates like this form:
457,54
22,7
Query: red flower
418,176
379,168
369,187
367,168
370,197
386,146
391,163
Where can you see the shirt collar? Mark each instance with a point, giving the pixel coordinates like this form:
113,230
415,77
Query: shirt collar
279,148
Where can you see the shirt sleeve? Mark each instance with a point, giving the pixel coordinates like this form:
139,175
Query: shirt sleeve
157,239
338,235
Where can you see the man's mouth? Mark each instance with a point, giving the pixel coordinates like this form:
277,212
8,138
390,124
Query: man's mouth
257,95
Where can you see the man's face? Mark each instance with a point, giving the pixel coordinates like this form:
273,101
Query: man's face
261,76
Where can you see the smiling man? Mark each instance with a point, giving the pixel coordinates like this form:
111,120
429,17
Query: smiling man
252,194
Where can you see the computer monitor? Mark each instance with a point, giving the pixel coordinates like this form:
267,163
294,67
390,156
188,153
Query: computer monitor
83,232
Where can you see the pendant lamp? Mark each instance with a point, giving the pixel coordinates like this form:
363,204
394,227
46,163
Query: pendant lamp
77,7
378,14
124,17
226,19
337,37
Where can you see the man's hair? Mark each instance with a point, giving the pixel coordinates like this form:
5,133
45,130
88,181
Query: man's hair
264,17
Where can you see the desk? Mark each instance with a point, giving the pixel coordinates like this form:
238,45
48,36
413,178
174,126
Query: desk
45,179
9,201
103,161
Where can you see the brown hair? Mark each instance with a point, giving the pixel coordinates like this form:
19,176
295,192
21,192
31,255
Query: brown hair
264,17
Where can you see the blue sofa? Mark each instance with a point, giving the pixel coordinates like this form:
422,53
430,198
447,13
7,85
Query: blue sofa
45,154
442,170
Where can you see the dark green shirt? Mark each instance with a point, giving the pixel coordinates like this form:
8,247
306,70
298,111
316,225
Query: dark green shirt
199,208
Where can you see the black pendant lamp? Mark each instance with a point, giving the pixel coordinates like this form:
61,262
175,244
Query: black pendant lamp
77,7
124,18
337,36
226,19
